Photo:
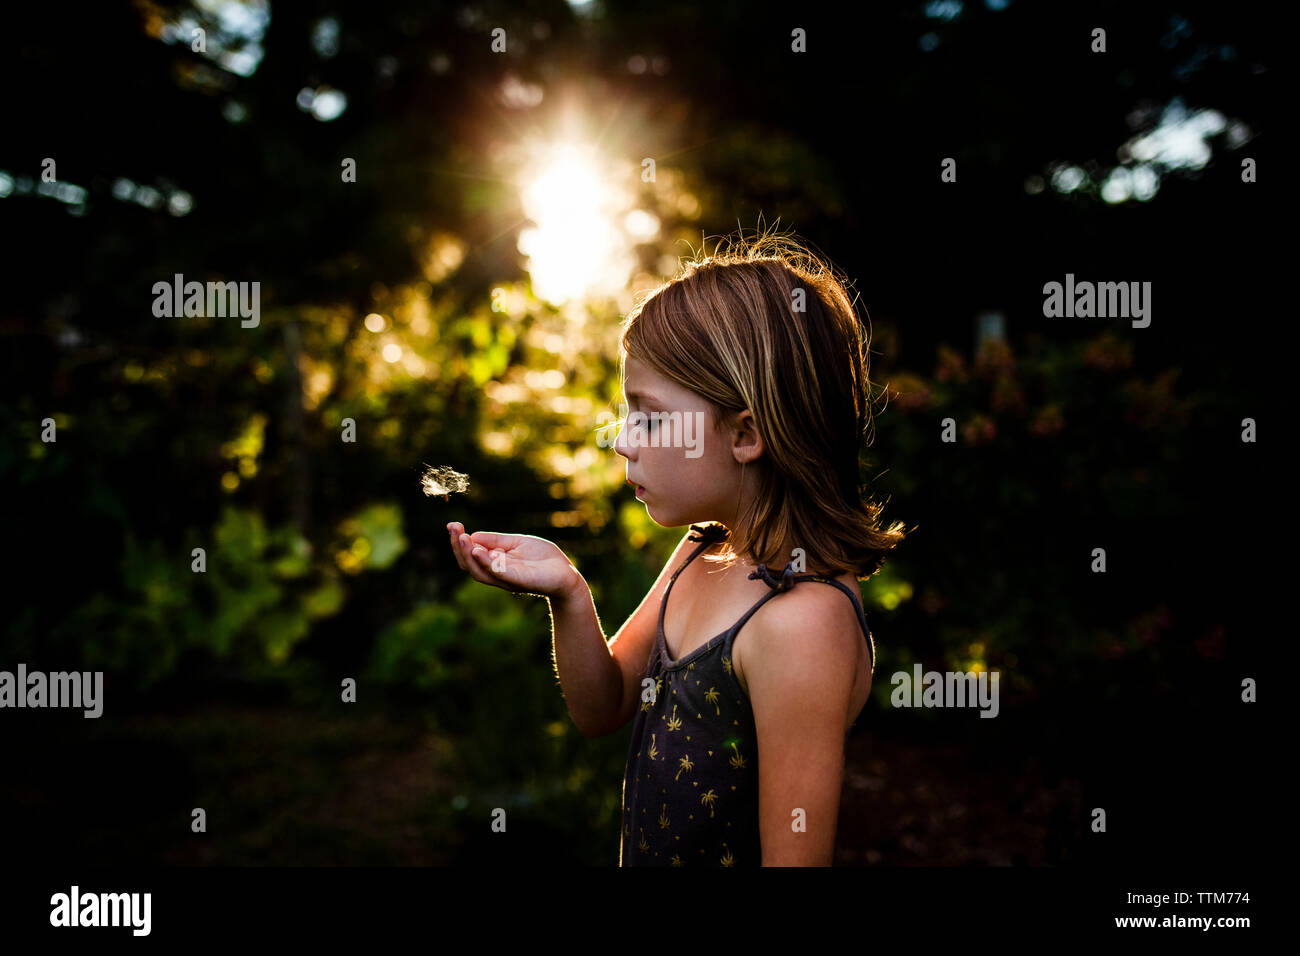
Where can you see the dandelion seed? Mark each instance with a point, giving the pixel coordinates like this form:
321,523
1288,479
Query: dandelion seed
443,481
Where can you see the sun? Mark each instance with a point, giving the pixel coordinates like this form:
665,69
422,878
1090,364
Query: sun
576,248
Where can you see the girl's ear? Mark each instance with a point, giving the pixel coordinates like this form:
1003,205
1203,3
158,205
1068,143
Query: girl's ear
746,443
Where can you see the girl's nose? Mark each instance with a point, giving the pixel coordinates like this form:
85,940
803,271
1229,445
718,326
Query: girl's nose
621,446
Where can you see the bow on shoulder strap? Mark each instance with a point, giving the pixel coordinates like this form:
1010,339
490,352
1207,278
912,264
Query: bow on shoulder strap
783,583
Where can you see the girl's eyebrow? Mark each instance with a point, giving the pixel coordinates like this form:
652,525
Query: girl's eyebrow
642,397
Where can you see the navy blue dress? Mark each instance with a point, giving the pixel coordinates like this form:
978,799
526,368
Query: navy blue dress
690,790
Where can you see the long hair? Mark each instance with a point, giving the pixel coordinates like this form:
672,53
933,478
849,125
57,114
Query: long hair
769,326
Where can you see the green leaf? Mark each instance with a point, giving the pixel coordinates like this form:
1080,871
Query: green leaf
296,561
325,600
380,525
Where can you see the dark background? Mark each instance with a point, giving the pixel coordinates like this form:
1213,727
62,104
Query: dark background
1119,690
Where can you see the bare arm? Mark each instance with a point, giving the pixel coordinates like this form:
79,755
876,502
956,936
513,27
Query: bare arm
800,666
589,676
602,681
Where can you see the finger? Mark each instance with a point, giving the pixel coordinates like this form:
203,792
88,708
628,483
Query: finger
455,549
472,564
494,556
491,539
459,548
481,566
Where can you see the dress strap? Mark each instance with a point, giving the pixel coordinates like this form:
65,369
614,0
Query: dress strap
784,583
705,535
857,606
787,580
708,532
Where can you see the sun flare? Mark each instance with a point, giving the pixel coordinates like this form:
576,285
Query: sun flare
576,248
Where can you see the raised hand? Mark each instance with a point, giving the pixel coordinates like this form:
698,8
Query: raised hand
520,563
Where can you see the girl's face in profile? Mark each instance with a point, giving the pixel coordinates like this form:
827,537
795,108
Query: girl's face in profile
692,475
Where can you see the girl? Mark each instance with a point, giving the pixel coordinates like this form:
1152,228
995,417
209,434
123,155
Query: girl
744,687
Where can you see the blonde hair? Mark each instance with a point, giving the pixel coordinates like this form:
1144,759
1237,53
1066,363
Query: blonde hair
725,327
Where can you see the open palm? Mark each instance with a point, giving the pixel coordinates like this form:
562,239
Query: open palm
522,563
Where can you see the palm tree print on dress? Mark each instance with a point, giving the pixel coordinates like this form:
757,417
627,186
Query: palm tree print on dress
737,761
686,764
712,698
707,799
674,722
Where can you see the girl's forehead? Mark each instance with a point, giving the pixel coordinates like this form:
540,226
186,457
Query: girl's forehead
642,378
664,394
